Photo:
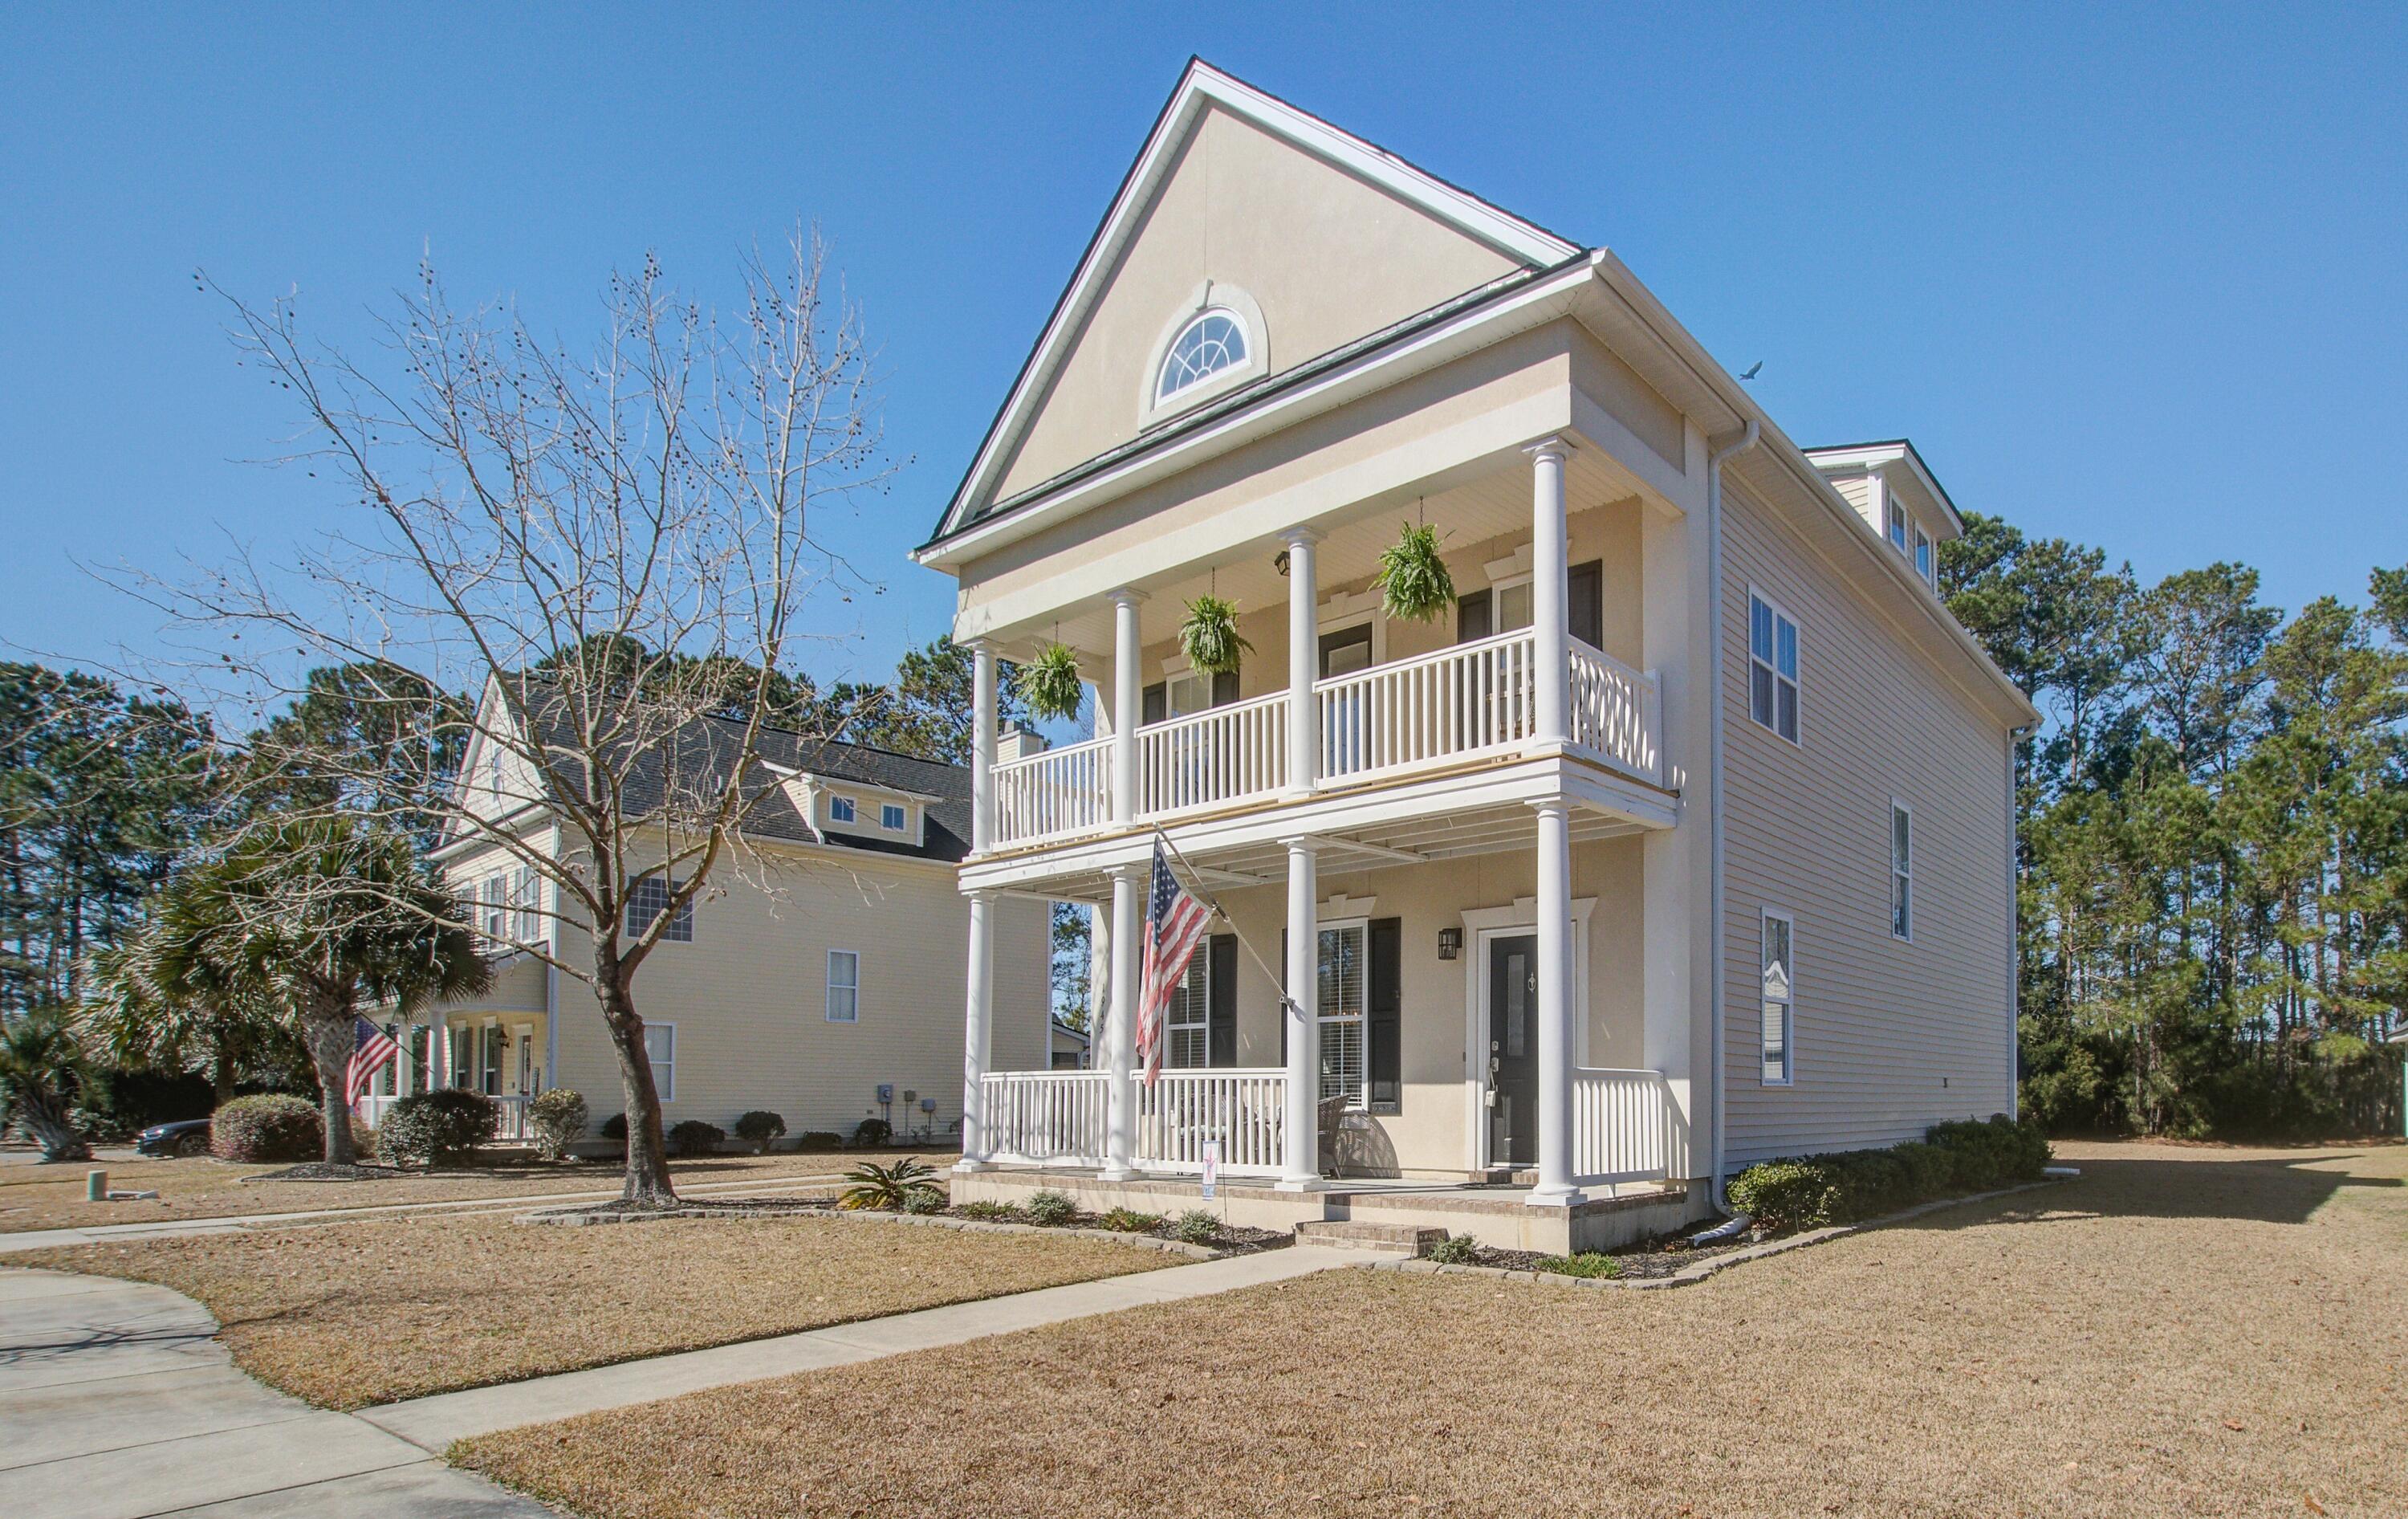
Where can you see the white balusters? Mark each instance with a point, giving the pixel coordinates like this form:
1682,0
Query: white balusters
1625,1127
1045,1117
1213,758
1615,713
1183,1109
1473,699
1052,794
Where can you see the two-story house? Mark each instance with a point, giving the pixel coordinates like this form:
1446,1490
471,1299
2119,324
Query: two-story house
1681,840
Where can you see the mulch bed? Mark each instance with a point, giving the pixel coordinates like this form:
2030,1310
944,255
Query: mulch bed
1229,1240
1665,1255
323,1170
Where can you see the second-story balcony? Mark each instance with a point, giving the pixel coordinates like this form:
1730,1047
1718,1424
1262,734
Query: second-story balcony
1470,703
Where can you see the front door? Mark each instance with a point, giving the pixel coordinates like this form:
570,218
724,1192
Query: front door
1513,1049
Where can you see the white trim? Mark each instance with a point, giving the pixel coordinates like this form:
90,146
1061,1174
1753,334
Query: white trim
1898,810
1209,296
1780,615
1480,925
829,985
666,1090
1789,1008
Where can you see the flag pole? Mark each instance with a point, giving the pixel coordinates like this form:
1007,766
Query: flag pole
1223,913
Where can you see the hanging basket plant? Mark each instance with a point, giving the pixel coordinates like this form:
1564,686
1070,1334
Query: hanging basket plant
1051,682
1210,639
1412,582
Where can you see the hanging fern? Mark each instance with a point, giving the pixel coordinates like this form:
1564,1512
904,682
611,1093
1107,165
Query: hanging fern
1412,582
1051,681
1210,639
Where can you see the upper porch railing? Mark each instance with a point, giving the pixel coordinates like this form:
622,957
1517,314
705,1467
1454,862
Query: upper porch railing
1474,701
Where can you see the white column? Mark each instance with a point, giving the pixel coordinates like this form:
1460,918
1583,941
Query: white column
439,1054
1126,685
1555,1010
977,1025
981,747
1303,662
1550,595
1301,1170
1120,1090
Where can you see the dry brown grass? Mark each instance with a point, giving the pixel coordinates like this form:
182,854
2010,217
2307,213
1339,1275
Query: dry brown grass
2180,1332
52,1196
349,1314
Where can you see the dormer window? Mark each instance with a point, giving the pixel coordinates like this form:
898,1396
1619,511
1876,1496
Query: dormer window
1215,340
1897,525
840,809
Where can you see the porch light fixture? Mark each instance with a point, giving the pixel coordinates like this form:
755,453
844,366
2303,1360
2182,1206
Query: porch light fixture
1450,943
1279,562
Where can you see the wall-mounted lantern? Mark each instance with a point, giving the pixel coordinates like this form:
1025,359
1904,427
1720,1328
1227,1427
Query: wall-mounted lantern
1450,943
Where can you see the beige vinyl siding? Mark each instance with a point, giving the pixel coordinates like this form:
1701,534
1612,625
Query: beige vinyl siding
1880,1025
1857,490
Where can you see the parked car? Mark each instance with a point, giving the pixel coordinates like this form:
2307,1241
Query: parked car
188,1137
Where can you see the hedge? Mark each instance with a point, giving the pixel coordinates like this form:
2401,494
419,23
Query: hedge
274,1127
1808,1192
427,1128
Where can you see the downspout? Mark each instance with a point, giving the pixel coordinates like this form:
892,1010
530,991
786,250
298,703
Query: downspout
1718,680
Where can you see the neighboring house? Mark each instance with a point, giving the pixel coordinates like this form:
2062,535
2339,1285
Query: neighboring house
1070,1047
820,979
1681,840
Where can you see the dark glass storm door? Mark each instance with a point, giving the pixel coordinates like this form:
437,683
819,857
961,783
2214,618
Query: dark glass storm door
1513,1051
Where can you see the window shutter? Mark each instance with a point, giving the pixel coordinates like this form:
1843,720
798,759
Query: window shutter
1474,616
1225,688
1584,603
1153,702
1220,1000
1382,1016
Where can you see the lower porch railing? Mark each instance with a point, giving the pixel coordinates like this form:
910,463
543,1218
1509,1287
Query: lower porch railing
510,1111
1625,1127
1058,1117
1045,1117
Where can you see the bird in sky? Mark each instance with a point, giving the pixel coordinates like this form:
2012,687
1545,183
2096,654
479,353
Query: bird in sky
1752,369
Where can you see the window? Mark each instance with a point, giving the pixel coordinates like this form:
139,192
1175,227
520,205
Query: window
1214,341
1922,560
1342,988
496,1042
525,895
840,810
1897,525
1512,604
843,986
1901,871
649,900
660,1049
496,921
1188,1023
1780,1067
890,817
1772,668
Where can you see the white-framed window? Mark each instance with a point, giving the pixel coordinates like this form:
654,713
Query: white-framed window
1213,341
1344,994
1902,871
493,1042
1924,565
525,896
660,1048
1897,525
890,817
1780,998
844,986
1512,604
1188,1023
1772,667
649,900
840,810
497,920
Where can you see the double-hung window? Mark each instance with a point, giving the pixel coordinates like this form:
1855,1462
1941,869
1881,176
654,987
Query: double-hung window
844,986
890,817
1344,993
1902,871
496,922
649,900
1188,1023
660,1049
1780,988
1772,668
1897,525
1922,560
525,896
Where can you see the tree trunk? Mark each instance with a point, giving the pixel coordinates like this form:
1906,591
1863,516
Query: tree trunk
647,1182
221,1078
331,1040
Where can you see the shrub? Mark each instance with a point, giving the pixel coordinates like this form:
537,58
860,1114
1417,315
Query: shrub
1589,1263
1930,1171
273,1126
759,1129
558,1119
2000,1151
1129,1220
1866,1184
1050,1208
1782,1194
889,1187
820,1138
1196,1228
992,1212
1456,1250
615,1127
691,1137
930,1201
428,1129
872,1132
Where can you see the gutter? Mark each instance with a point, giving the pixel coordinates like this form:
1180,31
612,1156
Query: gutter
1718,971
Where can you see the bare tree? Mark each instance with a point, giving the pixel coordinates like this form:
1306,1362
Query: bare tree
610,554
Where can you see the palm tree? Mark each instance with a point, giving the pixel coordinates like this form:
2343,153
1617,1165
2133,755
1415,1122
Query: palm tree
41,1063
161,1001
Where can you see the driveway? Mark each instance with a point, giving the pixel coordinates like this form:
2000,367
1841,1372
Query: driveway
115,1403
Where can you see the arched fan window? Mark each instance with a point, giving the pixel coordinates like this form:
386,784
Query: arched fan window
1214,341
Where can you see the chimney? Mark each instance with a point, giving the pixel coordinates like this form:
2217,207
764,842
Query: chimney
1013,742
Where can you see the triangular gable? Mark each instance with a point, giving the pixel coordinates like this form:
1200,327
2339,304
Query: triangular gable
1492,241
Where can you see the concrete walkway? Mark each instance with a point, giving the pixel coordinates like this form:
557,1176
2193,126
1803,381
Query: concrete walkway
116,1403
434,1422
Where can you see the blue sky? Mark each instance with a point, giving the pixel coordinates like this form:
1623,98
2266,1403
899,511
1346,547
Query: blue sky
2138,281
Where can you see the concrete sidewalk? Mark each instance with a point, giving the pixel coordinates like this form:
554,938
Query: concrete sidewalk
116,1402
435,1422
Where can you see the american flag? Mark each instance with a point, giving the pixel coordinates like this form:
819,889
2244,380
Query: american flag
1174,921
375,1048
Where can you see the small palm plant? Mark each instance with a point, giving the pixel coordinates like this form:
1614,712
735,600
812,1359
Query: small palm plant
41,1066
906,1187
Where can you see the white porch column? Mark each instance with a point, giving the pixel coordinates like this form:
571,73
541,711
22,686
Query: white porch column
981,747
438,1053
1120,1090
1555,1010
1303,662
1301,1168
977,1026
1127,684
1550,595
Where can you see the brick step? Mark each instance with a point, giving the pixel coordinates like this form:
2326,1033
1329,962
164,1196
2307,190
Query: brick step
1410,1239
